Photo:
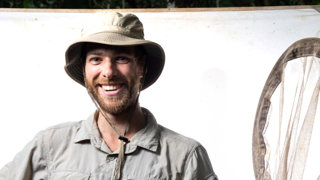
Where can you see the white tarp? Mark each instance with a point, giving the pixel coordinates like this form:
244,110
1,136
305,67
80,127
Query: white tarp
216,65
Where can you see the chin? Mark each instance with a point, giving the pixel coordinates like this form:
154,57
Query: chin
117,108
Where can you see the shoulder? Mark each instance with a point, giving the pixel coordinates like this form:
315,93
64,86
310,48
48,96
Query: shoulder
167,137
33,159
196,163
63,128
173,139
59,134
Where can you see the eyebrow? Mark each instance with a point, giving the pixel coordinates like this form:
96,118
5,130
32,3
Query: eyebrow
95,52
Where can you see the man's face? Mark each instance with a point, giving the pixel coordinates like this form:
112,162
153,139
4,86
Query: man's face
112,75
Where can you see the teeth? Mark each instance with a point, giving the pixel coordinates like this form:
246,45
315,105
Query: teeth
110,87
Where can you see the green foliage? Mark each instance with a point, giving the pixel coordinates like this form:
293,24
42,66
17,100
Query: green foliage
116,4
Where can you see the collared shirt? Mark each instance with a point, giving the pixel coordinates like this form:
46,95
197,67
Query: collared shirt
76,151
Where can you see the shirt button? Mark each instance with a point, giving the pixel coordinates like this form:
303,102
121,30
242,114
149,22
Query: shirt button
110,158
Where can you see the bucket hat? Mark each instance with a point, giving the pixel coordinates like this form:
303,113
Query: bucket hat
117,30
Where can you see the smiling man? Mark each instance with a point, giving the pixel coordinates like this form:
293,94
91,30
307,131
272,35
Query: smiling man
121,140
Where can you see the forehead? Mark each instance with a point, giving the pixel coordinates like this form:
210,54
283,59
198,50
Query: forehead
92,47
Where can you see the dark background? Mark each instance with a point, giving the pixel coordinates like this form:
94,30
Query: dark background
117,4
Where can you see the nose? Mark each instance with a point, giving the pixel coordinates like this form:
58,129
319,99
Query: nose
108,69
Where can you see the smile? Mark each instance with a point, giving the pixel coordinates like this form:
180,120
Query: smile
113,87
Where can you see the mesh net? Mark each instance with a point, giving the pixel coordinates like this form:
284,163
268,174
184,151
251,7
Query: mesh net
286,135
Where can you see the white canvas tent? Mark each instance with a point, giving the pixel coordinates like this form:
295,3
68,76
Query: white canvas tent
217,61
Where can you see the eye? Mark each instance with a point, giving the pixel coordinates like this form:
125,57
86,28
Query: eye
123,60
95,60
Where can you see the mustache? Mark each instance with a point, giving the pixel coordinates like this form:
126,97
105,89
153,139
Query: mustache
114,80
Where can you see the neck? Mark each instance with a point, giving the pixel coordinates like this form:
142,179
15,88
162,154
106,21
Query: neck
133,119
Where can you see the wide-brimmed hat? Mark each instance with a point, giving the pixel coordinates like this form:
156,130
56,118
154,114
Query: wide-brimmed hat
117,30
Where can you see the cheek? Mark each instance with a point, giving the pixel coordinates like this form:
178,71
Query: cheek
91,71
129,71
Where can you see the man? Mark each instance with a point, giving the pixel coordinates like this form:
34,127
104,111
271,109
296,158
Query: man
121,140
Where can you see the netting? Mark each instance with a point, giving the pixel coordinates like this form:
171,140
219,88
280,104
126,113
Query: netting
286,135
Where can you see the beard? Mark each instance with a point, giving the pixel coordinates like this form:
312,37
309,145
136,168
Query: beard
117,104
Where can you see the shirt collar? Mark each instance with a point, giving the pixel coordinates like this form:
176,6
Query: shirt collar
147,138
88,130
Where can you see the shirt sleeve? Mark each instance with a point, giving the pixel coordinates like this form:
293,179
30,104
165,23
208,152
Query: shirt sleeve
30,163
199,166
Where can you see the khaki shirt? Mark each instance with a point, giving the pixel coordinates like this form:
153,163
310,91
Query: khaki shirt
76,151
